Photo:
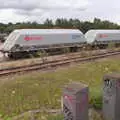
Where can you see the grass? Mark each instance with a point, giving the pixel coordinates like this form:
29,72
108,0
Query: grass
36,90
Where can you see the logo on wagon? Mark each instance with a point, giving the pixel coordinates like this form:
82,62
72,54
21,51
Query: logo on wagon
76,36
29,38
103,35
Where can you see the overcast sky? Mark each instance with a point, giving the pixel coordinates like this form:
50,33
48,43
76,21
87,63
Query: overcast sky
39,10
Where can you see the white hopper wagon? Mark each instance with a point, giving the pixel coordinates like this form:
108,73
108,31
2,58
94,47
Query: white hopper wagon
102,37
29,40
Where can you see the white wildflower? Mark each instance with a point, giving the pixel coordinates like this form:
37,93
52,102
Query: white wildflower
13,92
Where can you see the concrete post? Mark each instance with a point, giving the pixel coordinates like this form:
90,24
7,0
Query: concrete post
75,102
111,96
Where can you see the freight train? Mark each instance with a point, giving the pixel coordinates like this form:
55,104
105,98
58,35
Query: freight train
28,41
101,38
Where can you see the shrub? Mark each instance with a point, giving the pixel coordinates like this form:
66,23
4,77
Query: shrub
66,50
96,98
111,45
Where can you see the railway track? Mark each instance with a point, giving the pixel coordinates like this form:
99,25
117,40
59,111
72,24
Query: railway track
55,63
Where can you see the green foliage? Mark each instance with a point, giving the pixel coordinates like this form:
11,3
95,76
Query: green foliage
48,23
94,115
66,50
61,23
42,54
96,98
58,117
35,90
111,45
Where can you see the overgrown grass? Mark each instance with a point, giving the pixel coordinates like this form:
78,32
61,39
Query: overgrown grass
49,117
37,90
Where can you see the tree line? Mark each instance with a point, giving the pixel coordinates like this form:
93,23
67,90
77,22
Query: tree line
84,26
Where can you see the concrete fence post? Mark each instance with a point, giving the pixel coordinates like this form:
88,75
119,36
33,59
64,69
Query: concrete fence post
111,96
75,102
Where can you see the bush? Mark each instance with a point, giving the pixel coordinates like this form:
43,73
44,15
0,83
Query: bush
66,50
97,102
111,45
96,98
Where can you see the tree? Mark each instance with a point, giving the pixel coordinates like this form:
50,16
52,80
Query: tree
48,23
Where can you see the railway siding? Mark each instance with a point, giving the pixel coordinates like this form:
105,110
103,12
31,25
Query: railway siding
55,63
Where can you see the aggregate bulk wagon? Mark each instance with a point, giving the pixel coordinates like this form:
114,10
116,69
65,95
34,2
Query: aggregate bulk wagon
29,40
102,37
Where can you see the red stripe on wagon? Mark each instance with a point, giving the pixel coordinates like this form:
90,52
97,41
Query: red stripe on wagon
103,35
29,38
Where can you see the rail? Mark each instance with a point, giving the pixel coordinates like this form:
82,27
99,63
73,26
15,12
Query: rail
55,63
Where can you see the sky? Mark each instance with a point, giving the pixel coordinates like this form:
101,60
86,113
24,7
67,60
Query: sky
38,10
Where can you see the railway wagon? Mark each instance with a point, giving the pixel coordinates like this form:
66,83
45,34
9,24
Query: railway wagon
24,41
102,38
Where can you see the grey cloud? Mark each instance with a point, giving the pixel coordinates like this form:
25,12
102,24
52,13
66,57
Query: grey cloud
29,5
18,4
41,8
35,12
